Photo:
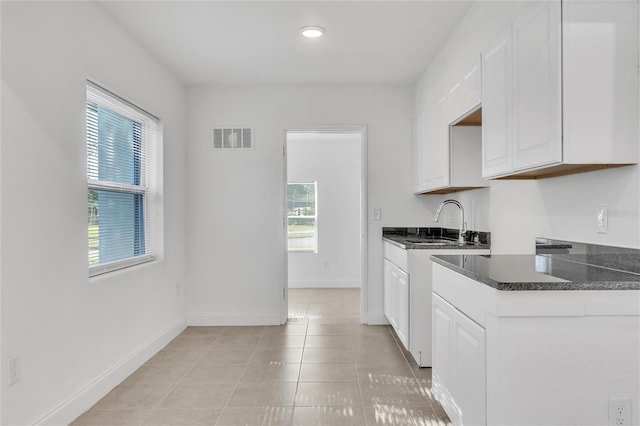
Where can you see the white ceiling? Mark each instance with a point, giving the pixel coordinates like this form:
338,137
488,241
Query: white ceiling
257,42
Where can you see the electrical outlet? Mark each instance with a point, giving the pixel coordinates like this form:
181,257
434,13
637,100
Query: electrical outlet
619,411
602,219
13,370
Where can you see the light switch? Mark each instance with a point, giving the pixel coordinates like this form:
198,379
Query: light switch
377,213
602,219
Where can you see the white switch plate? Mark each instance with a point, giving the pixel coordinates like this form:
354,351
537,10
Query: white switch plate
377,213
602,219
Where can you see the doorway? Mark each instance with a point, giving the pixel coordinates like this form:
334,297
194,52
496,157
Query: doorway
325,207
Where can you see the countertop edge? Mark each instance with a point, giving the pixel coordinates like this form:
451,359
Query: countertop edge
453,245
539,286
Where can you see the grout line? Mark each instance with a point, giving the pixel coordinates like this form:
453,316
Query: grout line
351,341
179,381
244,370
413,373
304,346
353,355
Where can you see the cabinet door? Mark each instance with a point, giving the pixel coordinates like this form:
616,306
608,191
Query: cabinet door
390,283
469,370
454,103
537,98
600,82
435,146
496,107
442,320
402,319
470,96
417,153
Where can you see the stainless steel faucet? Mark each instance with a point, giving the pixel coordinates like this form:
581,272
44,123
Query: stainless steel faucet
462,223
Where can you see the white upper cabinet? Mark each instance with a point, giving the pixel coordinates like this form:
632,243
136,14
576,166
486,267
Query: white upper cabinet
464,95
435,146
470,91
496,107
600,81
417,152
449,160
560,90
537,132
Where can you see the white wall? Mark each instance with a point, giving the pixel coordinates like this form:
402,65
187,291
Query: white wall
236,199
333,161
76,337
518,211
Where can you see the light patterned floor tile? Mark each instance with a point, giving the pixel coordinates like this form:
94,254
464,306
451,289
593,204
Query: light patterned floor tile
214,373
137,395
183,417
387,415
256,416
328,342
327,355
260,373
263,395
335,370
277,356
112,417
199,395
328,416
329,372
328,394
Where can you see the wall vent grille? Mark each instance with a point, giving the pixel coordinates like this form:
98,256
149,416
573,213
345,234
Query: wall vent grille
232,138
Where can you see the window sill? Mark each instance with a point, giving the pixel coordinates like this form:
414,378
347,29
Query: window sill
121,264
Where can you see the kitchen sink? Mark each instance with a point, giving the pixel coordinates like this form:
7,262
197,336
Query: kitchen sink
430,242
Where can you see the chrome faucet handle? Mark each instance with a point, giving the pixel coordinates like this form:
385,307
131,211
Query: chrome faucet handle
462,235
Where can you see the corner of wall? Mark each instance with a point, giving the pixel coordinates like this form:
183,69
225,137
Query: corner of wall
86,397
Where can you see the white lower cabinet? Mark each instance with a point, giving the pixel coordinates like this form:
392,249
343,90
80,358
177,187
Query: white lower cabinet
469,369
499,356
442,352
407,296
401,280
459,369
396,300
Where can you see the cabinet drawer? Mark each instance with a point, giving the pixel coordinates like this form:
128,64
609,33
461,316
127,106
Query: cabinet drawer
396,255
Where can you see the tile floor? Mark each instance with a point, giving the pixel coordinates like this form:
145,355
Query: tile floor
322,368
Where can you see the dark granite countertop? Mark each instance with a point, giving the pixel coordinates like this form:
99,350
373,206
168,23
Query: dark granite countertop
538,272
415,239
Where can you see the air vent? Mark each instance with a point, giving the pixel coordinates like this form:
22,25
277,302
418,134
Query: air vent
232,138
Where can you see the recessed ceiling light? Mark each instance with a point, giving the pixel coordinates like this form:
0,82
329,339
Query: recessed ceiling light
312,31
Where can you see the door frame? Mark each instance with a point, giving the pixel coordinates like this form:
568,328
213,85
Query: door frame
364,240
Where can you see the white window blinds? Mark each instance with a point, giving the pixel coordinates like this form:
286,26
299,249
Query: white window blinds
122,143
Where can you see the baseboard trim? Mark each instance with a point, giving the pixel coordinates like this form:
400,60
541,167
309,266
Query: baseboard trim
218,319
324,284
377,318
77,404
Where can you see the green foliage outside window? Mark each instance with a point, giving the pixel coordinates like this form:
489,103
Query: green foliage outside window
301,214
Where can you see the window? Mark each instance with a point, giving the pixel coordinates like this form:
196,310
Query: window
302,216
122,143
